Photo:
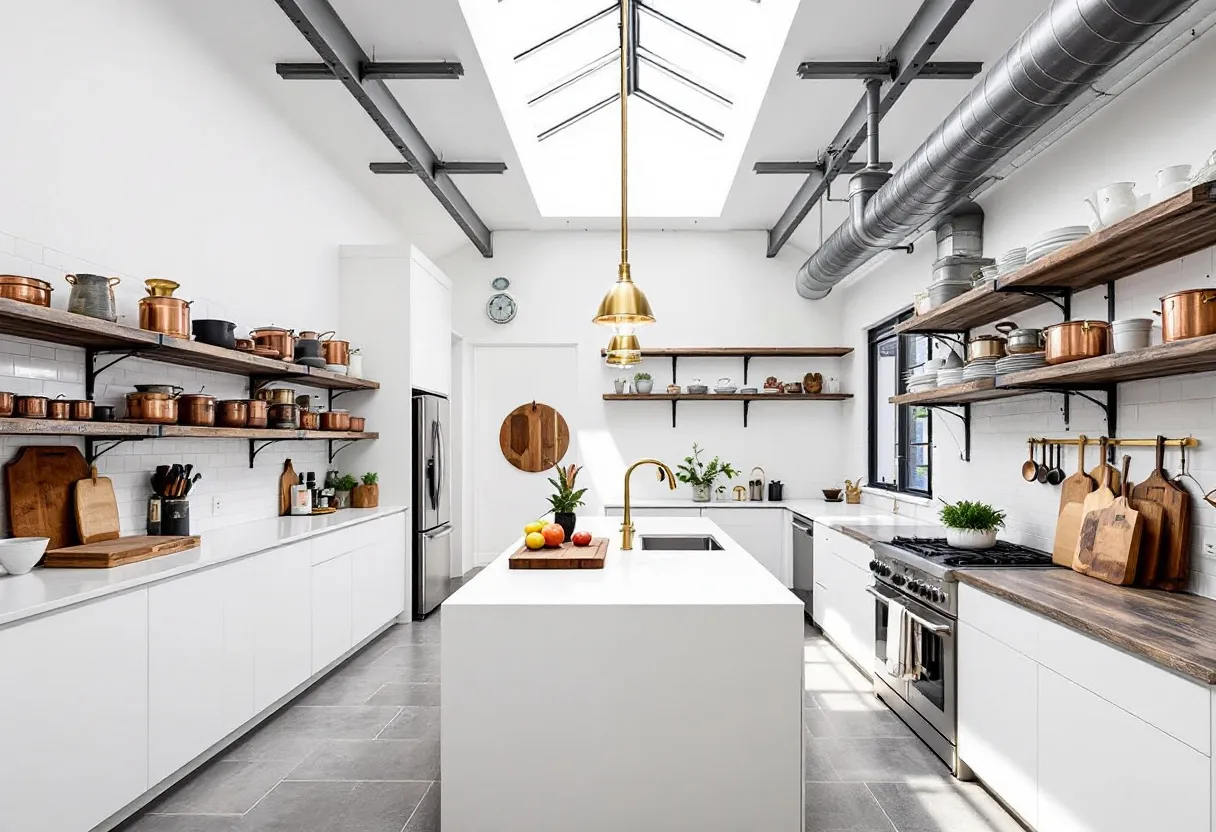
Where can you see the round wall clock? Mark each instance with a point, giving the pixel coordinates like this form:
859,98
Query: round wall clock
501,308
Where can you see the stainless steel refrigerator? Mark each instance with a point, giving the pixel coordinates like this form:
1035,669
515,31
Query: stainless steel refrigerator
432,503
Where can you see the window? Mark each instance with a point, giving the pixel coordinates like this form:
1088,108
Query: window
901,438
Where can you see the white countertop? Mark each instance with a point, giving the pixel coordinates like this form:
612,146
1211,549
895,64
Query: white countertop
815,509
637,577
44,590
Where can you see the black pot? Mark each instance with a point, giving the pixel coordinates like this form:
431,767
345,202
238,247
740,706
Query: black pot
215,332
308,348
103,413
567,520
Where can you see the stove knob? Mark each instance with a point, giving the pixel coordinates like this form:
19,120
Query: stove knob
914,585
883,569
873,566
898,580
923,591
935,595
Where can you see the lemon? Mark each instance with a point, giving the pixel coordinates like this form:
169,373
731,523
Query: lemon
534,526
534,540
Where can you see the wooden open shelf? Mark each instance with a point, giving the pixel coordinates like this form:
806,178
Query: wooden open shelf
183,353
726,397
190,431
980,390
58,327
744,352
1174,228
14,426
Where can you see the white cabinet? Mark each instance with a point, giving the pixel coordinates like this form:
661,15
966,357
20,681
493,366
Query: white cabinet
846,612
998,718
430,327
377,584
283,626
74,696
763,532
331,610
1103,770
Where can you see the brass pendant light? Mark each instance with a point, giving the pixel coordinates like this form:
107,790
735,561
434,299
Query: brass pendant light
625,304
624,351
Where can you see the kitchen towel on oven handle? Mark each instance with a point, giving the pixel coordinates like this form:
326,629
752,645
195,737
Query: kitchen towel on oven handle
897,628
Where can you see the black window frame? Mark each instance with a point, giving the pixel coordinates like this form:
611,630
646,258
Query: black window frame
903,351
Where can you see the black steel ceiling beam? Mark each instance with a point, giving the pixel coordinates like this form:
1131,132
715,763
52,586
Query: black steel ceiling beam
929,27
337,47
807,168
375,70
884,70
450,168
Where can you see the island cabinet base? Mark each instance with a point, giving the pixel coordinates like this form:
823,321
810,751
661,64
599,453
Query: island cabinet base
610,717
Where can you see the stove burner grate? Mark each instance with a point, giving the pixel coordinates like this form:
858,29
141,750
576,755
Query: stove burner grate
1002,554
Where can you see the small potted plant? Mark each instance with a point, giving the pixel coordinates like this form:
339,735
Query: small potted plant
643,383
700,476
971,525
619,385
342,488
366,495
564,501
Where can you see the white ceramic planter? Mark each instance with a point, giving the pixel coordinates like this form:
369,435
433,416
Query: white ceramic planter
971,538
700,493
643,385
1132,334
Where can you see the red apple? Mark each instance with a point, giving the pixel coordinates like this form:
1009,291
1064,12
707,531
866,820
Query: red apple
554,535
581,538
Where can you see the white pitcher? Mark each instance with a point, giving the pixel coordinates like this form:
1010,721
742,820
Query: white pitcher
1171,181
1113,203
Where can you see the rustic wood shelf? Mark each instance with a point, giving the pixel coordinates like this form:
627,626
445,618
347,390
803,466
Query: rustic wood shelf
744,352
58,327
980,390
13,426
1194,355
746,398
201,432
183,353
1174,228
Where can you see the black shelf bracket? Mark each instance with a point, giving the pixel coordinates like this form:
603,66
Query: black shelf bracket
673,404
964,415
1110,408
674,359
746,407
92,371
255,448
95,449
340,446
1060,296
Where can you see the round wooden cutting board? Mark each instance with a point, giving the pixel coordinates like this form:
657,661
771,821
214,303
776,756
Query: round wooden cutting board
534,437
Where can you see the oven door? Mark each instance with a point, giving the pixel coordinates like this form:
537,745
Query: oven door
932,692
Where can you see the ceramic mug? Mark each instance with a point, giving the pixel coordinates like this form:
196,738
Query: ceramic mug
1171,181
1113,203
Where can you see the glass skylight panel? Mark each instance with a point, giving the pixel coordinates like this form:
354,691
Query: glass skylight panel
712,66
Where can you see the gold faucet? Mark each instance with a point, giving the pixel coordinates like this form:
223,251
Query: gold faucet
627,523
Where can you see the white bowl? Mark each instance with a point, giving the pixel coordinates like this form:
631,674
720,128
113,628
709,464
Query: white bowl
340,369
19,554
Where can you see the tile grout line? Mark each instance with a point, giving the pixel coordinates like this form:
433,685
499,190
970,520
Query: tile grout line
400,710
881,808
415,811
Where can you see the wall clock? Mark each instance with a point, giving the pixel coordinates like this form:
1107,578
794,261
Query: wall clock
501,308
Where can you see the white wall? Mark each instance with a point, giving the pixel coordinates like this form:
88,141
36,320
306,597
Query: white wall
142,157
707,289
1129,140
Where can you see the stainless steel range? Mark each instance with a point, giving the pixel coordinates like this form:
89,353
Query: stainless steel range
916,595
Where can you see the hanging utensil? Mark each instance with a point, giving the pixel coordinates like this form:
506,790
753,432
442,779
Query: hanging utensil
1055,476
1042,469
1030,469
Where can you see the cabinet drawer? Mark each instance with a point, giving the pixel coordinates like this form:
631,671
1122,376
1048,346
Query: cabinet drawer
335,544
617,511
853,552
1008,624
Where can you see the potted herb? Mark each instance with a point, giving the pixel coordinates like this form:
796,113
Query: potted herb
366,495
701,476
565,500
971,525
342,488
643,383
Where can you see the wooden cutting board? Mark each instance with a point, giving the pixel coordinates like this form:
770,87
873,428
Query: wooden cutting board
1106,469
1077,486
1116,546
286,480
112,553
1068,531
1095,503
41,486
96,509
1175,537
1152,527
534,437
566,556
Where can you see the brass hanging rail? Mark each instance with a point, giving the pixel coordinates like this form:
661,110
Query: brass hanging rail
1188,442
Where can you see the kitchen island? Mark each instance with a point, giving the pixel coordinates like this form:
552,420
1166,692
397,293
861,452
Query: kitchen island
663,692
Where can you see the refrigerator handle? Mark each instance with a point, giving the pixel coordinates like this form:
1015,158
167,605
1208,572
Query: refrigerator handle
440,463
432,467
438,535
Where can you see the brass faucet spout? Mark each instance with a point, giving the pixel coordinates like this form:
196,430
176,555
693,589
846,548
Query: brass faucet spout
627,521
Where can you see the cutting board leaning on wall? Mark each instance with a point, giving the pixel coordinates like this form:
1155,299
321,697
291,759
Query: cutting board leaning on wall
40,487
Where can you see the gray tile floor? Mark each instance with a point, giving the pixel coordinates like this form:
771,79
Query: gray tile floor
359,752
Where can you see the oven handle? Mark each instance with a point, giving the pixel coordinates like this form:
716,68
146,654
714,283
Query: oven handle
936,629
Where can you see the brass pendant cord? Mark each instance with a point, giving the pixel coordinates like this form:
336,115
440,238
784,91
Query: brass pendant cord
624,138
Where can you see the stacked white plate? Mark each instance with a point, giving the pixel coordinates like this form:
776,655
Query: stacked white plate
945,378
979,368
725,390
1011,260
1025,361
1055,240
921,382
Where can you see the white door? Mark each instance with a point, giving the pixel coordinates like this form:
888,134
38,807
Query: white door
505,377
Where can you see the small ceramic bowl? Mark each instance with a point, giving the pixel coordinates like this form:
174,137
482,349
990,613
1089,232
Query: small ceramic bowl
19,554
831,494
340,369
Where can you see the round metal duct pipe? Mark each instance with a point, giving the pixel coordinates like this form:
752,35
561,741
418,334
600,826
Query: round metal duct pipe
1067,48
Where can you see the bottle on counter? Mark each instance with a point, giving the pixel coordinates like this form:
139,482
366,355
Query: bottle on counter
313,494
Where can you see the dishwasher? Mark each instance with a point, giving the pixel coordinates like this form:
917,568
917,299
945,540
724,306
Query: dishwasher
804,560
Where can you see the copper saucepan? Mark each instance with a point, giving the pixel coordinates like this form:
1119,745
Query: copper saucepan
196,409
258,410
1189,314
986,346
158,408
233,413
283,341
32,407
277,395
336,352
168,316
1076,340
25,289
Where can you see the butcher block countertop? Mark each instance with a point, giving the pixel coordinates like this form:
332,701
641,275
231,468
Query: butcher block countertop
1173,630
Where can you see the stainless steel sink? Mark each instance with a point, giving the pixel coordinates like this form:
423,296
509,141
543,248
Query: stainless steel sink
680,543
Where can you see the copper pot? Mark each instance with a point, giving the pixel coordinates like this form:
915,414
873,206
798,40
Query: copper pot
81,410
159,408
244,344
196,409
233,413
358,424
310,420
32,407
283,341
986,346
335,420
25,289
336,352
6,404
1076,340
1189,314
169,316
277,395
284,416
258,411
60,409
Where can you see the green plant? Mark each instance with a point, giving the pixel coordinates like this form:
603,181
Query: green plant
565,499
371,478
695,472
965,514
345,482
641,377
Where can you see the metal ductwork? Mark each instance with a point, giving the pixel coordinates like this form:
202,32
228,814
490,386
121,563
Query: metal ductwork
1067,48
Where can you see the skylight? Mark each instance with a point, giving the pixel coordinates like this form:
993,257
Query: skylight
698,70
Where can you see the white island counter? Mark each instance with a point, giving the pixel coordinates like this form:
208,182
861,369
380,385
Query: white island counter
663,692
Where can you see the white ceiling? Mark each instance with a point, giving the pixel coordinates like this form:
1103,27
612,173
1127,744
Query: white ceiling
461,120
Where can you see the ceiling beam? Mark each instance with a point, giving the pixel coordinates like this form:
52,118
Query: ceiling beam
371,70
807,168
929,27
884,70
450,168
337,47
